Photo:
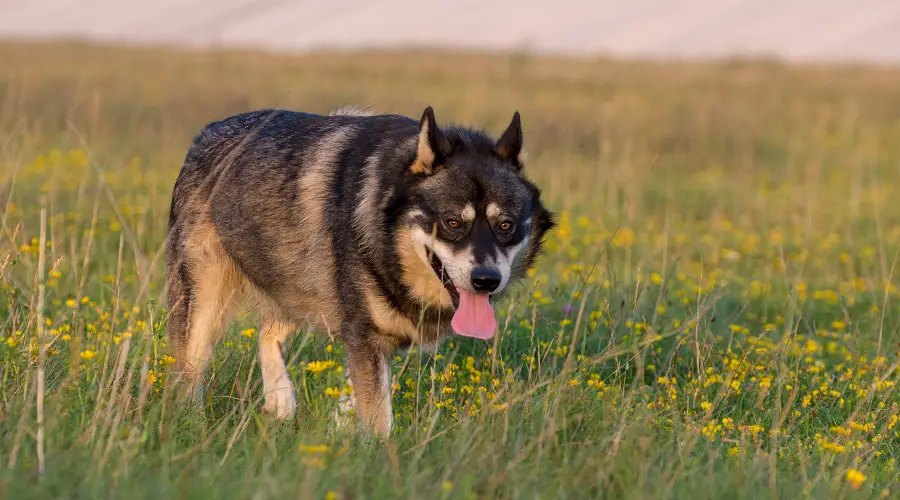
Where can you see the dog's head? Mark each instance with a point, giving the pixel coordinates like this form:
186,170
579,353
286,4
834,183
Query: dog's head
473,219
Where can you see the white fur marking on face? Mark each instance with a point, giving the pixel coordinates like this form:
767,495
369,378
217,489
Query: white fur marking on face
493,210
504,263
457,265
468,213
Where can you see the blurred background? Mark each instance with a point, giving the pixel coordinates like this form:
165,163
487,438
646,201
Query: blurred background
822,30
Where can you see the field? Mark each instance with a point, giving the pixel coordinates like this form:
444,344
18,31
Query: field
716,315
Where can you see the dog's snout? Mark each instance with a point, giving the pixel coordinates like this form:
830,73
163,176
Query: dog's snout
485,279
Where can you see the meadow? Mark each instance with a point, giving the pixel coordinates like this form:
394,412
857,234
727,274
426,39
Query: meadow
716,315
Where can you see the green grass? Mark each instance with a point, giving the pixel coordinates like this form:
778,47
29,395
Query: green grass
715,316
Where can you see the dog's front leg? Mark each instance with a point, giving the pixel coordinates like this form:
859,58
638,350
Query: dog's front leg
370,375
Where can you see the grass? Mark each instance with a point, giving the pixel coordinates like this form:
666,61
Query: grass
715,316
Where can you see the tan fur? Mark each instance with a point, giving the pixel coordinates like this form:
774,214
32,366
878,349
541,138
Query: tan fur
217,286
505,153
424,155
468,213
372,394
366,214
395,329
492,210
388,319
418,274
351,110
313,298
457,264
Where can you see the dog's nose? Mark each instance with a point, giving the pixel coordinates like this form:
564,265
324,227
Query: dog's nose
485,279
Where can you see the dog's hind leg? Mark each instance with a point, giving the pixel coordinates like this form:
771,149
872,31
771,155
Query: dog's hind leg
179,287
277,386
209,282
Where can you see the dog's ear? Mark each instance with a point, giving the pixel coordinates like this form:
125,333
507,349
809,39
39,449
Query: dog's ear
509,146
433,146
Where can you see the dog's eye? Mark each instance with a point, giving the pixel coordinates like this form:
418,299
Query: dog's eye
452,223
506,226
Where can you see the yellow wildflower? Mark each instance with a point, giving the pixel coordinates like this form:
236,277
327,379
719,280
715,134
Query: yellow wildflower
841,431
855,478
320,366
314,449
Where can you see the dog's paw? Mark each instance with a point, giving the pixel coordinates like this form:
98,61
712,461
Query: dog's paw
344,416
281,402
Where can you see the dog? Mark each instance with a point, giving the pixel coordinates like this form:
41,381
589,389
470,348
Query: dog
384,231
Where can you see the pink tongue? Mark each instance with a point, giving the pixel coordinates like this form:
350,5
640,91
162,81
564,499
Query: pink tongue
474,317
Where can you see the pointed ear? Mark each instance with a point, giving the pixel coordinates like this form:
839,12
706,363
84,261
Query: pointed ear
433,146
509,146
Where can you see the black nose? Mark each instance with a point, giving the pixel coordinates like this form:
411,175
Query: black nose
485,279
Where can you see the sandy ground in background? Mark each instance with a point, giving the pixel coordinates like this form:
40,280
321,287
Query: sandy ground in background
812,30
